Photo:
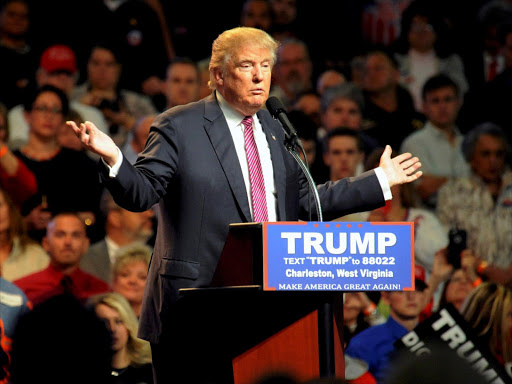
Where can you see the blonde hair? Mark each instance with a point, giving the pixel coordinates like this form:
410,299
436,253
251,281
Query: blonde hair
130,254
486,310
228,42
139,351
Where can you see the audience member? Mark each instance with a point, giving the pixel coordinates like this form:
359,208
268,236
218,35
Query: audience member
137,138
65,242
343,153
19,61
204,76
488,311
60,342
19,255
121,107
389,111
50,163
57,67
429,234
309,103
423,50
129,273
182,83
284,19
343,106
329,78
15,177
359,313
122,228
292,73
256,14
13,306
492,105
480,203
375,345
131,360
438,143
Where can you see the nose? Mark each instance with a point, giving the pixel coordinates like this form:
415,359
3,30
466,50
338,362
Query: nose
257,74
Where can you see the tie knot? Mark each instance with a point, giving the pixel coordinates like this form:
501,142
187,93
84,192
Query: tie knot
247,122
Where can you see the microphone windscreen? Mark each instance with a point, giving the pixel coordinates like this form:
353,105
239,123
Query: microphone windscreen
274,106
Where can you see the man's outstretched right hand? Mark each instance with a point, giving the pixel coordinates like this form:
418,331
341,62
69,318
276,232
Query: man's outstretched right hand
96,141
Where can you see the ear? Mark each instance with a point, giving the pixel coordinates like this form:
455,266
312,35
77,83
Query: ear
114,218
45,244
385,297
85,245
327,159
218,75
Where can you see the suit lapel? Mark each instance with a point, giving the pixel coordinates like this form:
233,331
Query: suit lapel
218,131
276,151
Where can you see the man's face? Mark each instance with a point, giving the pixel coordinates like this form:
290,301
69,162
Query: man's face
182,84
284,11
379,74
293,69
103,69
245,81
66,241
406,305
310,105
342,113
63,80
137,225
488,160
342,157
441,107
256,14
14,20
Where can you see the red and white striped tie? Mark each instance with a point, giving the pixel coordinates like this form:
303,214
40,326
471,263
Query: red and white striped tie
259,200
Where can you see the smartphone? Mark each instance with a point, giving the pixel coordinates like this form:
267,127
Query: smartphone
457,243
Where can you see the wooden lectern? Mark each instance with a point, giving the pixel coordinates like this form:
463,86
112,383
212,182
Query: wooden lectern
296,333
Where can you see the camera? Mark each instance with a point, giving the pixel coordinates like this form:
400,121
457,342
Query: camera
457,243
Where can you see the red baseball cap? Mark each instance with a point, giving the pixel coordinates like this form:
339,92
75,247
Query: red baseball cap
58,58
419,277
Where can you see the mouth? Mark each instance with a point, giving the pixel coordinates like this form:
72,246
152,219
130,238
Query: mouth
257,91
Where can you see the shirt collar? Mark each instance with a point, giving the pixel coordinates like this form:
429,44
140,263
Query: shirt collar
233,117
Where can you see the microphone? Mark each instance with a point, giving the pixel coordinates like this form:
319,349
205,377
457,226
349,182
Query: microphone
277,110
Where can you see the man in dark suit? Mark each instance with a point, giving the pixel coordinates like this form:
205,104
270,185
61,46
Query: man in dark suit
196,167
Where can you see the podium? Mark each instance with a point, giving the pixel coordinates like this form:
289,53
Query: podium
296,333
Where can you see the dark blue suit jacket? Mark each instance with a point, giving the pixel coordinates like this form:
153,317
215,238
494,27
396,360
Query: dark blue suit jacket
190,168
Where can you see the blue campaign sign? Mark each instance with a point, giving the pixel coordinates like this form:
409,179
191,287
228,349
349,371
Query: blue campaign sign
338,256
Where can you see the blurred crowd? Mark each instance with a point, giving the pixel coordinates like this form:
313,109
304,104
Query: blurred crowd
425,77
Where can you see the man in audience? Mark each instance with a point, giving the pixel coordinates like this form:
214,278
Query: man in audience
122,228
256,14
481,204
329,78
292,71
182,83
65,242
137,138
389,110
438,143
57,67
375,345
343,153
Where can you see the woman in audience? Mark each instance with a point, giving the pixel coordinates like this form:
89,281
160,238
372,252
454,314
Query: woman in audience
19,255
423,51
488,311
129,273
121,108
15,177
131,360
67,180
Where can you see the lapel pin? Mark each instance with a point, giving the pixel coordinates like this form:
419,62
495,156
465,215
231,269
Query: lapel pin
273,137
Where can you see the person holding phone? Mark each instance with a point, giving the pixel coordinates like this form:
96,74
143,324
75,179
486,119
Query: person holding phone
481,204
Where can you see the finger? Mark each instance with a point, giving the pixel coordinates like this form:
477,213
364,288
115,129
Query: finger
409,163
402,157
412,169
413,177
73,125
387,152
84,137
